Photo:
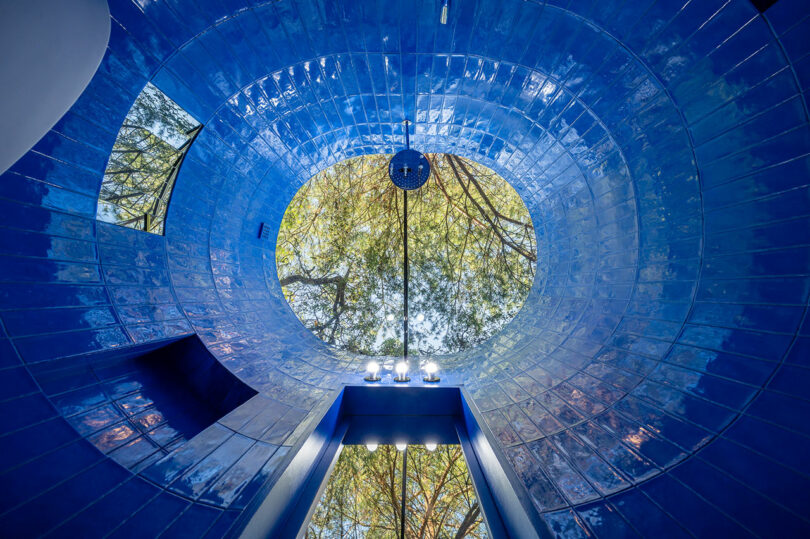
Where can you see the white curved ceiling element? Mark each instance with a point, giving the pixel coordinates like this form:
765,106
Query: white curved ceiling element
50,51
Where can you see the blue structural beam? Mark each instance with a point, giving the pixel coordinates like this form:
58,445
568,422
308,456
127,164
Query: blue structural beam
387,415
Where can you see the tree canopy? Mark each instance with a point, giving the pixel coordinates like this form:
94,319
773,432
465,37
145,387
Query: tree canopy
364,494
144,162
472,256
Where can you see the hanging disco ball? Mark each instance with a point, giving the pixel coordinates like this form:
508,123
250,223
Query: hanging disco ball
409,169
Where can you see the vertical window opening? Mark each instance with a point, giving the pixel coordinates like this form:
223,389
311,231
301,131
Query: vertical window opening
363,495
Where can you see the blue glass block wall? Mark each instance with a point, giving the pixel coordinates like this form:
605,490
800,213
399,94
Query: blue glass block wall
655,381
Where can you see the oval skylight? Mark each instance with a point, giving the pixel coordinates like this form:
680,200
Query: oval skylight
471,249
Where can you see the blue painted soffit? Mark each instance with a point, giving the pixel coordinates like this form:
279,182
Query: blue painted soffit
655,381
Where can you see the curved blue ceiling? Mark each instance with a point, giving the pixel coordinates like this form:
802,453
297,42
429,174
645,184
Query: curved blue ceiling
654,381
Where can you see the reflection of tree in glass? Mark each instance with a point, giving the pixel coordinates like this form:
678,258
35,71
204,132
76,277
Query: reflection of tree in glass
144,162
364,495
471,249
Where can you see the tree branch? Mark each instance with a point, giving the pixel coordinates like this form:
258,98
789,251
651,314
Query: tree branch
303,279
497,229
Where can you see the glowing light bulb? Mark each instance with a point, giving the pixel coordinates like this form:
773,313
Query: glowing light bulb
401,446
431,369
420,317
372,446
401,369
389,317
431,446
373,368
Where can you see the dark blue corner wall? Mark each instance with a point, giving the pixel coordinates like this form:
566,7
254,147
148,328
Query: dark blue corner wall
655,382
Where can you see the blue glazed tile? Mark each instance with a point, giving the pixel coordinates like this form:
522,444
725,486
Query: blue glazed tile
245,470
779,444
709,387
36,476
799,352
24,411
751,510
109,511
61,148
794,40
41,246
42,220
49,509
704,413
96,419
148,419
112,437
761,317
34,349
604,520
194,522
189,454
134,403
268,471
767,477
693,513
790,380
645,516
604,477
30,443
153,518
165,435
783,410
677,431
123,386
568,481
222,525
22,323
521,424
566,524
74,402
16,382
149,40
777,290
26,270
786,14
135,452
542,491
617,455
193,483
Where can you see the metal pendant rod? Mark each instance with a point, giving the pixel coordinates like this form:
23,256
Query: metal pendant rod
404,493
405,241
405,264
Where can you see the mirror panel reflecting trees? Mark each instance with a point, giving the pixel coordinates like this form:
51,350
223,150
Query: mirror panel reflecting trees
472,256
364,494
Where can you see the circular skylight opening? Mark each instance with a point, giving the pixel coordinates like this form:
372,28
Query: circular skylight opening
471,249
